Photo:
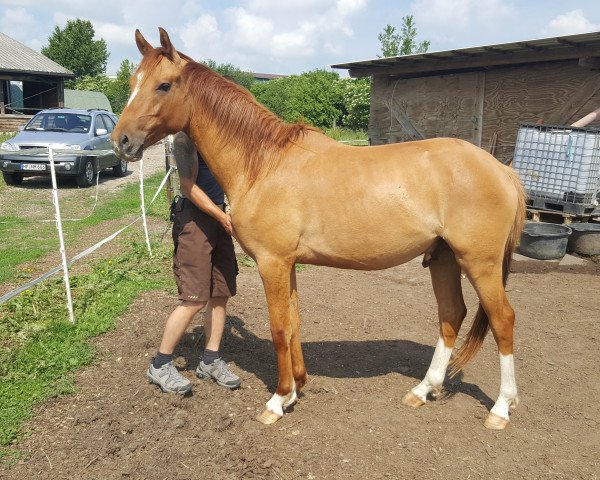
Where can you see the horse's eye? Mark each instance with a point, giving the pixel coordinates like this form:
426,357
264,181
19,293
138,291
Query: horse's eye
164,87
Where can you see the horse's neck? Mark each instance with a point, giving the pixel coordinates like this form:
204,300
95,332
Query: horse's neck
226,164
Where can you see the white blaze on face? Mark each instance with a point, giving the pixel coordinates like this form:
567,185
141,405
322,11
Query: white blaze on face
136,89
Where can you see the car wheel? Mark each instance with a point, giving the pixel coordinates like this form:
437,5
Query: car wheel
120,169
86,177
12,178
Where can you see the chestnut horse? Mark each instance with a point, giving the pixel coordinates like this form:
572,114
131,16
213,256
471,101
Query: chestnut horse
299,196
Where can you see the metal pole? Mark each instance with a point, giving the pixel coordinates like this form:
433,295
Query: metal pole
60,235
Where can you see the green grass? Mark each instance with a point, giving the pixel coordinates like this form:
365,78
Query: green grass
6,135
40,349
347,135
24,242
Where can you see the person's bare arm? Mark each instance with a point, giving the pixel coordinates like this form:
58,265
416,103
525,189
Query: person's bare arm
184,152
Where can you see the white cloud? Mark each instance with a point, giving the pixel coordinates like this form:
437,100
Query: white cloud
113,33
197,34
280,30
570,23
457,14
17,23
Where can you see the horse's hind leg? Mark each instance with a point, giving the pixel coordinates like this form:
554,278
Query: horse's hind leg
445,277
492,296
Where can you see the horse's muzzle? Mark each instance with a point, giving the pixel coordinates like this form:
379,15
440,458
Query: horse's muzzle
125,150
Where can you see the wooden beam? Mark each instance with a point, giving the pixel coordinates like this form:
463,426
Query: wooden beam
592,63
489,60
60,87
2,111
479,99
408,127
581,96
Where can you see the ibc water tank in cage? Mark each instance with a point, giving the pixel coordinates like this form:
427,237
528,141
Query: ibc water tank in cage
559,166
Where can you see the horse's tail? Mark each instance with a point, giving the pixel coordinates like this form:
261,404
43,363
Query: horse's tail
480,326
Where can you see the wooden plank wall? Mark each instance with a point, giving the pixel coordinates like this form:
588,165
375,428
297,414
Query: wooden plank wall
478,106
436,106
11,123
540,91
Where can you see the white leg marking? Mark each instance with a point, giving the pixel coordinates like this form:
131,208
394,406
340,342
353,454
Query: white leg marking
278,403
437,371
136,88
508,387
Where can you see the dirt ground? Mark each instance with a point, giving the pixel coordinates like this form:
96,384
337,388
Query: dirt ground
368,338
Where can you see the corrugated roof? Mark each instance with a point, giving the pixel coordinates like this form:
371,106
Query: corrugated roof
86,99
554,48
18,58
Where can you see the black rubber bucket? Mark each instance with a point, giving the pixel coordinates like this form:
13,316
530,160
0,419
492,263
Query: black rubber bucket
544,241
585,239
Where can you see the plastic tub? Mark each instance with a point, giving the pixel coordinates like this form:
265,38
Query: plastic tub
585,239
544,241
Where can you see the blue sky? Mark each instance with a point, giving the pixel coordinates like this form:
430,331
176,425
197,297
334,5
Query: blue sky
285,36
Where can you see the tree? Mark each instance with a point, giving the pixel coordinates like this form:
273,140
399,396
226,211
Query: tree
74,48
390,42
119,89
244,79
116,90
314,97
357,102
394,44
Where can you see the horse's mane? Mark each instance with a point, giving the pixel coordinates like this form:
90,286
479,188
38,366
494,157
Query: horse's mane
240,119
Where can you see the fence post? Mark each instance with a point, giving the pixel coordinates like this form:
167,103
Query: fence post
144,206
60,234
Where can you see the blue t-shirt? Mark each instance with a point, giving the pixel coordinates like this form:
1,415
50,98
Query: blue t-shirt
208,183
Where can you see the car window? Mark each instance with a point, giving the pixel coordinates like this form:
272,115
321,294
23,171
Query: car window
99,123
110,124
60,122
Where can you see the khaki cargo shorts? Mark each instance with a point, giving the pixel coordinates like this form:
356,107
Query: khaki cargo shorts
204,262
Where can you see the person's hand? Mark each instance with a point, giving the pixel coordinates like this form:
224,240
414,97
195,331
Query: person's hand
226,223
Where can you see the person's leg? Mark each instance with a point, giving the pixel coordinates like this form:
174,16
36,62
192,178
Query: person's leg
214,322
211,364
161,370
176,325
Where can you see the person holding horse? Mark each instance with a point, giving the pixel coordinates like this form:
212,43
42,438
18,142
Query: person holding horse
205,270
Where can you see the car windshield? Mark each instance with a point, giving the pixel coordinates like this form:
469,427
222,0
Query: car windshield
60,122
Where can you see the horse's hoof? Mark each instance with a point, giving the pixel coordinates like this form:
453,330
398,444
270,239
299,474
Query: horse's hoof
268,417
495,422
291,402
412,400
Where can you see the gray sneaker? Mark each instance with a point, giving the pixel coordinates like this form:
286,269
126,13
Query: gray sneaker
220,373
168,379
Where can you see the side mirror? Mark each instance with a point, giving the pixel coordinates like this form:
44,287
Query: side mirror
101,131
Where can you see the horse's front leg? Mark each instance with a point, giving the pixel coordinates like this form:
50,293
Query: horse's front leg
298,367
275,274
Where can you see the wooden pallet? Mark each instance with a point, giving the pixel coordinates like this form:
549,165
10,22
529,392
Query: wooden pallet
577,209
552,216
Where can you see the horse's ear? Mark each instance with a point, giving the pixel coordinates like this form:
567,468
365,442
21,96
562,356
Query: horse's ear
143,46
165,41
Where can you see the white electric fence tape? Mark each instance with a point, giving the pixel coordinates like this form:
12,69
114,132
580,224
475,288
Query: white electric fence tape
13,293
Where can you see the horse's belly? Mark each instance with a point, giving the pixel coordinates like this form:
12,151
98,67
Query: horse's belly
363,253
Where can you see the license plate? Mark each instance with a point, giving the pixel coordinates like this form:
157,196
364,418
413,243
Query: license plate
33,166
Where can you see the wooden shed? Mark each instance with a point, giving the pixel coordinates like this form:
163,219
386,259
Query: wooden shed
29,82
482,94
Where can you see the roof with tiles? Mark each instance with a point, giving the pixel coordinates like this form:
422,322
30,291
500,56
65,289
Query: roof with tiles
18,58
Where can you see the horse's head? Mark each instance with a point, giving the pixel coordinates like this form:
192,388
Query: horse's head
157,106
